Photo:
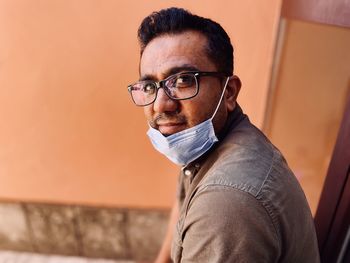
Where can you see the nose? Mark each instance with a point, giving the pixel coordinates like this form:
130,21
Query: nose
163,103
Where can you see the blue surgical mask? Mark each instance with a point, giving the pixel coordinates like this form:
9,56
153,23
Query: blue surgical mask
186,146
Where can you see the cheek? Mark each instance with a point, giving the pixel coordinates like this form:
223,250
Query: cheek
203,106
194,111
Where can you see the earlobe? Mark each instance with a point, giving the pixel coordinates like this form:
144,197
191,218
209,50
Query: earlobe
232,90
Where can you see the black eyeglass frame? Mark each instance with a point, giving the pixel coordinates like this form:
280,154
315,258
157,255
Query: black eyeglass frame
161,84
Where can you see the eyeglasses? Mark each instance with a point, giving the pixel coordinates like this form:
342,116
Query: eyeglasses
180,86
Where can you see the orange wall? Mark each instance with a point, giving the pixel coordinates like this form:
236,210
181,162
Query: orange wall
68,130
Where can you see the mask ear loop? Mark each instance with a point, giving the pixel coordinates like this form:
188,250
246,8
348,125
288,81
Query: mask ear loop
222,95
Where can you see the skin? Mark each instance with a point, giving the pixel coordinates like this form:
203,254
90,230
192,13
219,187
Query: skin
173,53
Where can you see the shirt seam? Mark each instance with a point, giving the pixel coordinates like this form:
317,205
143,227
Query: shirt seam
268,173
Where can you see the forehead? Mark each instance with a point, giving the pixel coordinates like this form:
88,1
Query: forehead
173,51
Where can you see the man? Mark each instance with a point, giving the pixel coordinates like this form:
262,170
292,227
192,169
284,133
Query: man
238,201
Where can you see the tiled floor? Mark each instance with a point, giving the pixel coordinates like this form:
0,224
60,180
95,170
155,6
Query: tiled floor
16,257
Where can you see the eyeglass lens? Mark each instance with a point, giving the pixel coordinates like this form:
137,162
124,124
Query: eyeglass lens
180,86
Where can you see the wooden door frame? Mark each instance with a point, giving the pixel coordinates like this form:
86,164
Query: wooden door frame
332,217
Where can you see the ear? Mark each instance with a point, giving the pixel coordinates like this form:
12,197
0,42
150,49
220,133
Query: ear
232,89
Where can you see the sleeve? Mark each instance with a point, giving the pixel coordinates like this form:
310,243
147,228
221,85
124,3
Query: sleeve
225,224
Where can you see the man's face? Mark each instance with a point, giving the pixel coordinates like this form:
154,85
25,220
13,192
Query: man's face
170,54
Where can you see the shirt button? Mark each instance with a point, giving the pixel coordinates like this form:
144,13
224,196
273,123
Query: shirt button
188,172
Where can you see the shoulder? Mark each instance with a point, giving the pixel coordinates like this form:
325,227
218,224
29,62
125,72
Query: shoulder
246,160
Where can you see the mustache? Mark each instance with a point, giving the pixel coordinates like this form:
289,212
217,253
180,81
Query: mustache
167,117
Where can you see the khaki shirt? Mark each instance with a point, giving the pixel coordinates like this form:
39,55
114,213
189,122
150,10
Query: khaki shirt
241,203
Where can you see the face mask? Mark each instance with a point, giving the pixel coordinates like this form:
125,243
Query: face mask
186,146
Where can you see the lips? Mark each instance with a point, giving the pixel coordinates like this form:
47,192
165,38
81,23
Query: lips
165,123
168,128
169,123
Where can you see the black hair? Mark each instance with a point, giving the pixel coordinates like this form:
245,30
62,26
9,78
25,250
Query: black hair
177,20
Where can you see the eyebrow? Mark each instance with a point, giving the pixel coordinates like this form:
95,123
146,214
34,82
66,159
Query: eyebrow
170,72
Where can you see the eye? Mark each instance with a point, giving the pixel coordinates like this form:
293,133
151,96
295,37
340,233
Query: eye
184,81
149,88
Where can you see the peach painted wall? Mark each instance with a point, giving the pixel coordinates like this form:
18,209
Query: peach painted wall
68,130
